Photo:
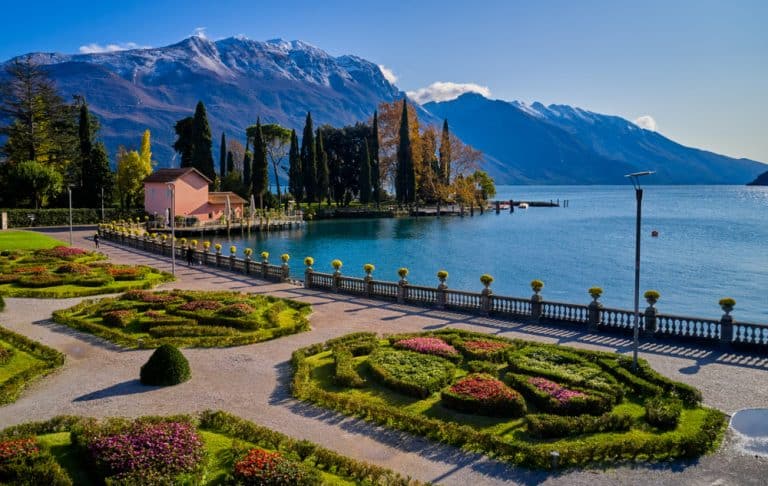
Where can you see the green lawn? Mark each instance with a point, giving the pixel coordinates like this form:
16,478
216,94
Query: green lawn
30,360
19,363
27,240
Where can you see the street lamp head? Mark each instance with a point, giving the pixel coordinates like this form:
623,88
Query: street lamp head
635,177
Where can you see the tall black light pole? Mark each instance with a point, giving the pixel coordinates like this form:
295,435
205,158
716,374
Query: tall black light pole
635,178
172,193
69,191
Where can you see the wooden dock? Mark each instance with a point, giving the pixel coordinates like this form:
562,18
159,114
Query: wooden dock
241,227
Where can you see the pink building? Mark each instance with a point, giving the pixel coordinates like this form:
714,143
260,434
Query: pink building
191,193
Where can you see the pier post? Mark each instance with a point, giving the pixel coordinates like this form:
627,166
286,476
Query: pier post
511,206
498,207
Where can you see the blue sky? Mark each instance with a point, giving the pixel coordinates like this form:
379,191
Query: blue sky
699,69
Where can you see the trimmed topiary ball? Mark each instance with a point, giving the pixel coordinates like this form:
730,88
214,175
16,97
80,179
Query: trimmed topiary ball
167,366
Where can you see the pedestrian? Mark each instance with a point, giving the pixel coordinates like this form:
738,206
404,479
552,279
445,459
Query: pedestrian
96,240
190,256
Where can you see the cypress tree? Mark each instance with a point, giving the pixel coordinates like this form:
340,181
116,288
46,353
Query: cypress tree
365,174
309,161
260,172
100,176
202,143
230,162
445,154
375,174
405,178
223,156
323,174
183,144
247,168
84,132
295,184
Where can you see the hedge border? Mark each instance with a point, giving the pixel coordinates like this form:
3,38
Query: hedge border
245,430
671,445
11,389
66,317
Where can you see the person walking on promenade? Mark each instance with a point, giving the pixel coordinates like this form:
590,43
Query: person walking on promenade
190,256
96,240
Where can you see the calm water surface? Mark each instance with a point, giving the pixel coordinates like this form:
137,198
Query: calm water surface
711,244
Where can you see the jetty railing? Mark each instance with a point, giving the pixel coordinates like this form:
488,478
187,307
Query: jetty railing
593,317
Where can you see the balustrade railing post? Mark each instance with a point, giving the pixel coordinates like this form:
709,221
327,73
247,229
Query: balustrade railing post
536,307
264,268
595,317
650,321
336,280
218,258
485,301
726,329
232,262
286,272
308,277
247,264
368,279
402,290
441,295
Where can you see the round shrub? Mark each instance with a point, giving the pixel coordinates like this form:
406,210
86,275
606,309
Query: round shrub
652,294
285,257
309,261
248,252
40,280
442,274
485,395
537,285
336,264
410,373
369,267
403,272
595,292
264,255
727,302
167,366
486,279
663,412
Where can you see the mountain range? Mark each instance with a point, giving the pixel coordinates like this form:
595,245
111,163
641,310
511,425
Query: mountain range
240,79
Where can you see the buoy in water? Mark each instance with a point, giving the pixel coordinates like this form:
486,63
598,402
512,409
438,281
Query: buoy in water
654,233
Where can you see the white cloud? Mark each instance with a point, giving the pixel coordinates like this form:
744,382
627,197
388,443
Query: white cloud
647,122
445,90
389,75
95,48
199,32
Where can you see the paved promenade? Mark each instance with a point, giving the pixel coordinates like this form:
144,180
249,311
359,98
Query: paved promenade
100,379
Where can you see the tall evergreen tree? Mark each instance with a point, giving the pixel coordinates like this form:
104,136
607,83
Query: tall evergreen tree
202,143
405,178
247,158
365,175
183,144
86,146
223,156
309,161
374,152
295,184
323,175
99,177
260,172
445,154
230,161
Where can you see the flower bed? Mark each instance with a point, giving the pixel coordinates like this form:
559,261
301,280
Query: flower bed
485,395
187,318
429,345
70,272
212,448
583,423
484,349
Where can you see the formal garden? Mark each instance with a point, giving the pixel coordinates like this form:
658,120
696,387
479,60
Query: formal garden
531,404
211,448
21,361
62,271
145,319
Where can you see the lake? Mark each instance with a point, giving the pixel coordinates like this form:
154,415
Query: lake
711,244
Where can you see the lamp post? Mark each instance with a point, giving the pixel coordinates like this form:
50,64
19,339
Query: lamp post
102,204
172,194
635,178
69,191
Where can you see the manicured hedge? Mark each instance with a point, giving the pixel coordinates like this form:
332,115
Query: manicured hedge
663,412
485,395
410,372
344,373
50,359
18,218
24,461
580,439
591,401
2,303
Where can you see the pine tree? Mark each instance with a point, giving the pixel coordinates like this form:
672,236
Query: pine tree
323,175
309,161
365,175
223,156
247,168
405,178
260,172
445,154
295,184
374,152
230,161
202,143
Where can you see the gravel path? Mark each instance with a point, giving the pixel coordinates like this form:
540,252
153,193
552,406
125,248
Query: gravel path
99,379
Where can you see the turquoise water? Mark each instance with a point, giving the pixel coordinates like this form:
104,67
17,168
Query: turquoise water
711,244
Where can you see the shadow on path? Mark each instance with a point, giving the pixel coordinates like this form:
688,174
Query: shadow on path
130,387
